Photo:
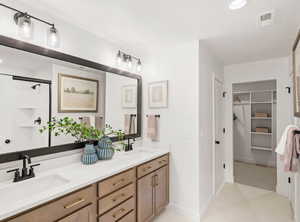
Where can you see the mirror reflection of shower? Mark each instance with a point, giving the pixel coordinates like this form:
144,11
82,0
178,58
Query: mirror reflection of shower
24,113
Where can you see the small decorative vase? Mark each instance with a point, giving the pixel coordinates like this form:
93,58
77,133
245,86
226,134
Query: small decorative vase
105,150
89,155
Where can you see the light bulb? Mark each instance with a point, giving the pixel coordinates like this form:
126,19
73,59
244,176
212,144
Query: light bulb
53,37
139,66
119,58
129,62
25,26
237,4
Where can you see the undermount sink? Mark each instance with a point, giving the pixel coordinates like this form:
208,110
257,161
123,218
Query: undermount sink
138,152
29,188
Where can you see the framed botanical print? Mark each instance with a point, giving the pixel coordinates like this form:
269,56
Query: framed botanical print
158,94
77,94
296,76
129,96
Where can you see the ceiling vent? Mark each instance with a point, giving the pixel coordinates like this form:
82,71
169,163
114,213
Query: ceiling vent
266,19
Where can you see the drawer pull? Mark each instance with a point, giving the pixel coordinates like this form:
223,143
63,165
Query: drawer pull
118,182
117,197
81,200
162,161
147,168
156,180
118,212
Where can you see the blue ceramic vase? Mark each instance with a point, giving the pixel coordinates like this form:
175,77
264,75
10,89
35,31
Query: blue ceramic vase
105,149
89,155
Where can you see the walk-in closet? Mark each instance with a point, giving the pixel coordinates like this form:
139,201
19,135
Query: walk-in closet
254,133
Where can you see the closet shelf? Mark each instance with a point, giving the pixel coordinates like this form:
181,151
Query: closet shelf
259,118
259,133
262,148
241,103
261,102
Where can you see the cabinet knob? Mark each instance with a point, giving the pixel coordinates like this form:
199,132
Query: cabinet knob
7,141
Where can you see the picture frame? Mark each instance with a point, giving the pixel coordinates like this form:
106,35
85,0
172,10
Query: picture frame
296,76
129,96
158,94
77,94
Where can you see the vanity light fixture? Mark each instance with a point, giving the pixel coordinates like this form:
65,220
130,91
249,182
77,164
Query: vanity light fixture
129,60
119,58
53,37
139,66
237,4
25,26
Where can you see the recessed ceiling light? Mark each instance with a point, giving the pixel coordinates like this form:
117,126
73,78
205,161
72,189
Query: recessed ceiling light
237,4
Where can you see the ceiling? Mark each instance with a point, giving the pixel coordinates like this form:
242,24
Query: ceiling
234,36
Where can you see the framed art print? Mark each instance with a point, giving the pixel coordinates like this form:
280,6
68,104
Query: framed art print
129,96
158,94
77,94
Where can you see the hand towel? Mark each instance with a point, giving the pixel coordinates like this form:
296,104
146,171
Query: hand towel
99,122
129,124
292,151
280,149
152,128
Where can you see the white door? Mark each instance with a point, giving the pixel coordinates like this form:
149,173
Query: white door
218,154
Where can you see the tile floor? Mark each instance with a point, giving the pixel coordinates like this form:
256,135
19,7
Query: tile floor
241,203
253,175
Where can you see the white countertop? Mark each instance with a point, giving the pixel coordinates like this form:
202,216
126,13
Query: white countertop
76,175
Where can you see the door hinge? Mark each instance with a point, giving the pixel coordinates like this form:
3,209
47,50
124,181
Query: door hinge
224,165
289,180
224,94
288,89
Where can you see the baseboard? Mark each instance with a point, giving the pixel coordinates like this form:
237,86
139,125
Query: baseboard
220,188
204,210
193,216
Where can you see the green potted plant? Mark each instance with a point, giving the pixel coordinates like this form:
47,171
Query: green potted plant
82,133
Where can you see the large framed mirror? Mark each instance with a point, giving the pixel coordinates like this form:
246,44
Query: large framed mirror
296,76
38,84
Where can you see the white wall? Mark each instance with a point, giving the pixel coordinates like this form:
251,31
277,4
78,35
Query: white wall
209,66
262,70
178,63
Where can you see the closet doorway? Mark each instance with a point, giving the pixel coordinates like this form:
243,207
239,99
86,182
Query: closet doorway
254,133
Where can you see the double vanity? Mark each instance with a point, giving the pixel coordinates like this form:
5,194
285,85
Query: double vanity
131,187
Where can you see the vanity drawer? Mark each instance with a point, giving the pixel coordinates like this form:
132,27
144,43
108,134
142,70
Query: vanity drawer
116,182
116,198
152,166
129,217
118,212
59,208
162,161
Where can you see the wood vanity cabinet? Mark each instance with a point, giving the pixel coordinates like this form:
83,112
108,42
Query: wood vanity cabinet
152,189
135,195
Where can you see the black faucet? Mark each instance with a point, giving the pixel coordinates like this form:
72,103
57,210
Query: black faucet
128,146
25,173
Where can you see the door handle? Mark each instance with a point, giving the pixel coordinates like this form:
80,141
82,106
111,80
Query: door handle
217,142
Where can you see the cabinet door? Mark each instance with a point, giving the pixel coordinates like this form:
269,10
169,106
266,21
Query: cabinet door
82,215
161,189
145,198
